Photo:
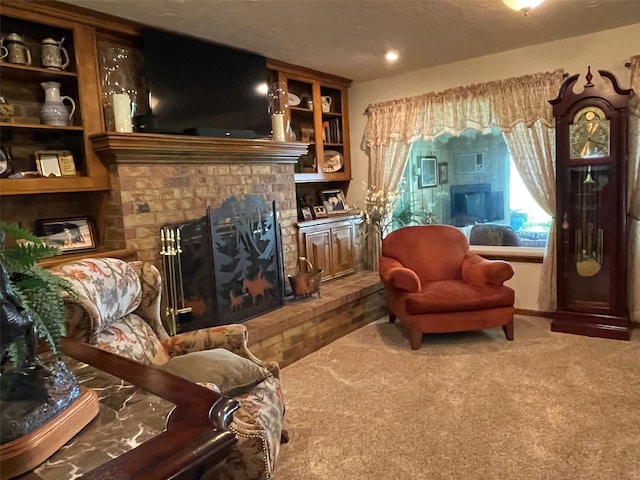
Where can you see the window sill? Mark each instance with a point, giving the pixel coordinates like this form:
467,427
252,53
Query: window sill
511,254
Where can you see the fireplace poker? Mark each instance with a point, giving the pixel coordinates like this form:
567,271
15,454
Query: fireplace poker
172,282
184,312
165,252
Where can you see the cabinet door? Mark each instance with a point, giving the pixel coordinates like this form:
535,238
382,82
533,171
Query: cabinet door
319,251
342,250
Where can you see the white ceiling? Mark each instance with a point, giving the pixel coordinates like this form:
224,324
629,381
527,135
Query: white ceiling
349,37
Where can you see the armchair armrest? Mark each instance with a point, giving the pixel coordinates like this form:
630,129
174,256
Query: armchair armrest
230,337
393,273
479,271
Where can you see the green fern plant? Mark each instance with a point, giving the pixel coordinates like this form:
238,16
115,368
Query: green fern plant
39,291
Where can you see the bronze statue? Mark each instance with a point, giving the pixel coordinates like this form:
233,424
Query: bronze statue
31,394
15,320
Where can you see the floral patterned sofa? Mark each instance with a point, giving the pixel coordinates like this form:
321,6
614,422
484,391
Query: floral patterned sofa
118,310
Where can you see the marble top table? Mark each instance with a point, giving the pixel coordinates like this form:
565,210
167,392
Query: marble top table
149,423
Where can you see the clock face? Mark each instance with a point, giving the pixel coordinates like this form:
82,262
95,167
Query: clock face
589,135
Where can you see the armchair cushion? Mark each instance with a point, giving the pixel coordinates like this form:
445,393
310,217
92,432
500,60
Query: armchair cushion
456,296
233,374
480,271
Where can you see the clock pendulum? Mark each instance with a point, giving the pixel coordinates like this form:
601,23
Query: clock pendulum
589,237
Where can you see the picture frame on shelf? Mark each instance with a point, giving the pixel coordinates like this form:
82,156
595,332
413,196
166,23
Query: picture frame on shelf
57,163
443,173
68,234
307,134
334,201
306,213
319,211
427,176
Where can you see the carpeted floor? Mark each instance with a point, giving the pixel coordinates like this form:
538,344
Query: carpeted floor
465,406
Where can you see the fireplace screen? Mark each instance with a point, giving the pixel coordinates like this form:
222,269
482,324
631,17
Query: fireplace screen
224,268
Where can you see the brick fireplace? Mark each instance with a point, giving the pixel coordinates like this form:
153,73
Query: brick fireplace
162,179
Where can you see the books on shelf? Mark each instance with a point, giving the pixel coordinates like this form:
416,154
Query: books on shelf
332,131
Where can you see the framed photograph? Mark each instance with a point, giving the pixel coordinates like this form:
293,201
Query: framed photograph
334,201
56,163
443,173
68,234
306,213
319,211
428,176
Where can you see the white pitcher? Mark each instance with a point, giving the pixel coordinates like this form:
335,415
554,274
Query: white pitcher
54,111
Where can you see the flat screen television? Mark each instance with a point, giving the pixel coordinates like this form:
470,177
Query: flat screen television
476,204
198,87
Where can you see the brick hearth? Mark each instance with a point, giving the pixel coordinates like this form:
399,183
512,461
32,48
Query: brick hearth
304,325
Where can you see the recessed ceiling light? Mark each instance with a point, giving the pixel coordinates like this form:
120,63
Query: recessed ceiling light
522,5
392,56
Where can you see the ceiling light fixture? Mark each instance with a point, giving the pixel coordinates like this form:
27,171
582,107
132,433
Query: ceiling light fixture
392,56
522,5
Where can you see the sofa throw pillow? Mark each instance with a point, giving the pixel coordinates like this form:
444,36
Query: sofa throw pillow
232,373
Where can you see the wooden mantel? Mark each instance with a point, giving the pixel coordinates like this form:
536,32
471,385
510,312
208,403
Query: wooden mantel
156,148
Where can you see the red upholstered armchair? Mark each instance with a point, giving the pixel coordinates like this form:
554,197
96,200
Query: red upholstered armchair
434,284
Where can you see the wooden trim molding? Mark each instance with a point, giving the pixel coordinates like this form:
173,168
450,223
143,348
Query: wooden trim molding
510,254
289,68
57,13
532,313
155,148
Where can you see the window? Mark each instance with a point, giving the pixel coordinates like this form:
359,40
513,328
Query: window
483,194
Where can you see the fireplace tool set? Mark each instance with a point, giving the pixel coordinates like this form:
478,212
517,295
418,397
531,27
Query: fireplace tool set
171,251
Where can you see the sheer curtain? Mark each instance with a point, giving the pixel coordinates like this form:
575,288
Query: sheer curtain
525,117
386,165
633,192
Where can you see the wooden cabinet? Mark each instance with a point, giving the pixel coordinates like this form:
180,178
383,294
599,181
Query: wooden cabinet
328,244
318,114
23,134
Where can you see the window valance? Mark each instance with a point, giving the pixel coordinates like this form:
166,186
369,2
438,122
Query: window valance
503,103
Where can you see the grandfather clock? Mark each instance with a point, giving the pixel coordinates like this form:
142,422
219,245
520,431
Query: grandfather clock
591,178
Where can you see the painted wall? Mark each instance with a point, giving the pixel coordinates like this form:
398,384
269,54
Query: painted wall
608,50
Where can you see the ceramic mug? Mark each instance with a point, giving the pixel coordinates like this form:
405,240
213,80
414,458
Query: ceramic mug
52,53
326,103
17,51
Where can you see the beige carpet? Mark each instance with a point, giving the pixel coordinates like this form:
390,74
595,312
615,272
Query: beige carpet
464,406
